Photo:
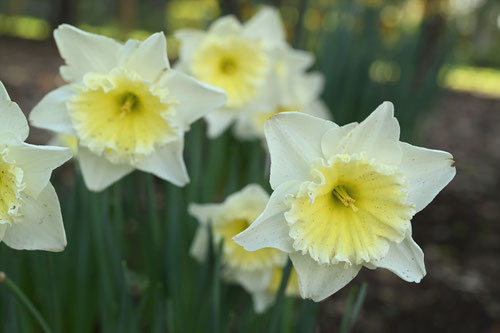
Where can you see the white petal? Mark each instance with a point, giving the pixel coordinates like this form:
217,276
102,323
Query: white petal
270,228
311,86
190,41
266,25
204,213
252,196
149,58
12,120
316,281
244,128
405,259
4,95
262,301
218,121
51,112
333,140
200,245
167,163
183,87
253,281
428,172
377,136
269,98
127,49
37,162
301,60
226,25
41,227
85,52
256,283
98,172
294,141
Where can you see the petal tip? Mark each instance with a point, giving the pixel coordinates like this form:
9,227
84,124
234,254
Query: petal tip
387,108
4,95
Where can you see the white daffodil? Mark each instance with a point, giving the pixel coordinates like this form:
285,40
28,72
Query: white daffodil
300,93
64,140
344,197
264,285
256,271
30,216
249,61
126,107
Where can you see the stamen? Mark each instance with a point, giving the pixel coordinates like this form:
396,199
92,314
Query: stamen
341,193
228,66
129,102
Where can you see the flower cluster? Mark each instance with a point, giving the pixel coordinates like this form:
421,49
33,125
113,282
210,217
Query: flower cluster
253,63
343,198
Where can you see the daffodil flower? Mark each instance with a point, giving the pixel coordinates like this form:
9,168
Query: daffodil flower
259,271
344,198
300,92
263,285
30,216
246,60
64,140
125,105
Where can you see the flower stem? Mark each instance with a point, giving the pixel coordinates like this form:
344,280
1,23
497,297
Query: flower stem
25,301
355,302
216,289
278,303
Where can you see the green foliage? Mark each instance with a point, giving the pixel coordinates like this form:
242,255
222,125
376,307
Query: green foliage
127,266
363,68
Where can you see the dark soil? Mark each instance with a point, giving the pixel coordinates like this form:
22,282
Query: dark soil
459,232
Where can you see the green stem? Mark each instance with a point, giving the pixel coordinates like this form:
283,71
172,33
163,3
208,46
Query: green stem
355,302
359,304
278,305
216,297
25,301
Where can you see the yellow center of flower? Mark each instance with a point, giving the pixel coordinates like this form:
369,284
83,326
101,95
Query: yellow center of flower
11,186
235,64
350,212
340,193
121,116
235,256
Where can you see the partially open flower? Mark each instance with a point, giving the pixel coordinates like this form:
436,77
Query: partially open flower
30,216
252,62
344,198
125,106
256,271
